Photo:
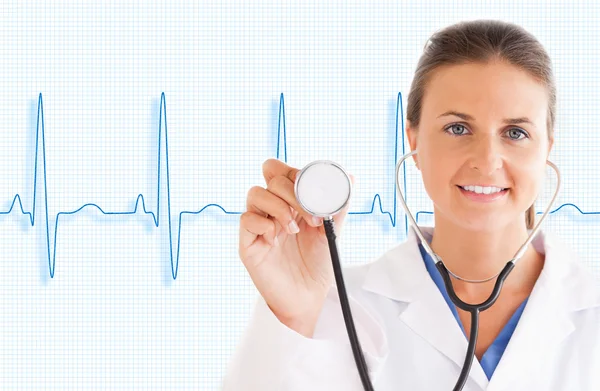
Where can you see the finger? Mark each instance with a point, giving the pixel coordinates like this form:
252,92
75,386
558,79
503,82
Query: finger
265,203
273,167
283,187
294,212
252,226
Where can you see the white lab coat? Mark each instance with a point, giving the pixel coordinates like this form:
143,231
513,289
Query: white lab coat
411,340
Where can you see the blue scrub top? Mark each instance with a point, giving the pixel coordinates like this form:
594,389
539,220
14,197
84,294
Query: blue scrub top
491,357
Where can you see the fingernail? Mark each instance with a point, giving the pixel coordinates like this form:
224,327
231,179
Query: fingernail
316,220
276,241
293,227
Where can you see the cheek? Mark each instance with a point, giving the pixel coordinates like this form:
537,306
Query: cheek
530,178
437,177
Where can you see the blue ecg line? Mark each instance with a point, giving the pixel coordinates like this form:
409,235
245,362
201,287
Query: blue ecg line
281,130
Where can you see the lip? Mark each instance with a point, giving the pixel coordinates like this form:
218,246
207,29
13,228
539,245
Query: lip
487,185
472,196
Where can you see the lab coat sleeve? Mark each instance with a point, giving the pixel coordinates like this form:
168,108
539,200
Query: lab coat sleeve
272,357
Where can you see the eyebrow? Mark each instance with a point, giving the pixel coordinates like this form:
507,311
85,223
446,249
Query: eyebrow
467,117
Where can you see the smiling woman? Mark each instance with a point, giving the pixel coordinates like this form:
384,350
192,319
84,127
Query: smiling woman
480,122
482,144
521,80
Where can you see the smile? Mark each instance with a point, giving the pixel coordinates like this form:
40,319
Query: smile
483,193
483,189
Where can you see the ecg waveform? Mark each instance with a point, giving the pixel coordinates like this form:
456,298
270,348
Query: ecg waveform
40,150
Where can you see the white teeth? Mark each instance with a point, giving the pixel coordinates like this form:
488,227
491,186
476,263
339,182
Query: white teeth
483,190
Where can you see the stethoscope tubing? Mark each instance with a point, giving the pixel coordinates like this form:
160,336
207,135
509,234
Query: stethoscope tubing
344,302
473,309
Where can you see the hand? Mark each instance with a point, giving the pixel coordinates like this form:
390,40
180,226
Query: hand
285,251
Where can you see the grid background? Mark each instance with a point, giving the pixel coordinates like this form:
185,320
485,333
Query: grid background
112,317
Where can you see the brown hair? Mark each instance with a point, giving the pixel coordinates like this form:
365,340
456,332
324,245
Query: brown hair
483,41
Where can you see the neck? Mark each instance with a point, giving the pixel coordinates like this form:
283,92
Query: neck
477,255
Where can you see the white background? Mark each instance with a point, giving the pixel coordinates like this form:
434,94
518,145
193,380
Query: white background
111,316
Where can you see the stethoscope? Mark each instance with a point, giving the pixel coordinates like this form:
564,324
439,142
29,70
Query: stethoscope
323,188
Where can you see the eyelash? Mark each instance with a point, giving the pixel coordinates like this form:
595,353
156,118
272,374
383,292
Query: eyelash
523,132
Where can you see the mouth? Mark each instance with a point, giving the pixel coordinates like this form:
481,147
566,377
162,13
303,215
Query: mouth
483,193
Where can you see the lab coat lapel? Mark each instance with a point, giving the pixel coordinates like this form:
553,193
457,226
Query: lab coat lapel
430,317
546,319
401,275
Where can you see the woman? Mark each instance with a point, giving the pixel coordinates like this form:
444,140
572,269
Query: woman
481,114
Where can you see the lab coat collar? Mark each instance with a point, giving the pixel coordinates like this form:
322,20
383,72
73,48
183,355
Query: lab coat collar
400,271
563,287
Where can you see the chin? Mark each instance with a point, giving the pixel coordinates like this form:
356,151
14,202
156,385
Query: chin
480,221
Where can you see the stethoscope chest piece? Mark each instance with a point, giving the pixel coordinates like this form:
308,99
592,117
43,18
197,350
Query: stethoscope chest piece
323,188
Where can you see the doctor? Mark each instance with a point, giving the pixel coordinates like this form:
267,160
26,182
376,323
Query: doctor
480,113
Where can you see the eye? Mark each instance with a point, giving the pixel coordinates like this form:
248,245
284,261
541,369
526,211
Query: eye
456,129
516,133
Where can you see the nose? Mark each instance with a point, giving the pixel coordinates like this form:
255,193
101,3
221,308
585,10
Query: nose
486,154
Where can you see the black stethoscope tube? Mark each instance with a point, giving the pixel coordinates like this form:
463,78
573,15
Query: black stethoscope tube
334,183
473,309
339,280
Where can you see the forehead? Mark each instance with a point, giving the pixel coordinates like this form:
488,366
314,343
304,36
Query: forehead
492,90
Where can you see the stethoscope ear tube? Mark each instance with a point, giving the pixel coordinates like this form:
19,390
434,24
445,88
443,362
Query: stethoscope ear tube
474,310
482,306
341,288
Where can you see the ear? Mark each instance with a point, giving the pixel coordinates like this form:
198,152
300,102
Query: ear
550,144
411,134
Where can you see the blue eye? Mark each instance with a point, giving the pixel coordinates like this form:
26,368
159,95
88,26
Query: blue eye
460,129
456,129
515,133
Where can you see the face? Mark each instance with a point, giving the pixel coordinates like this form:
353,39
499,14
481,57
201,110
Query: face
482,143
